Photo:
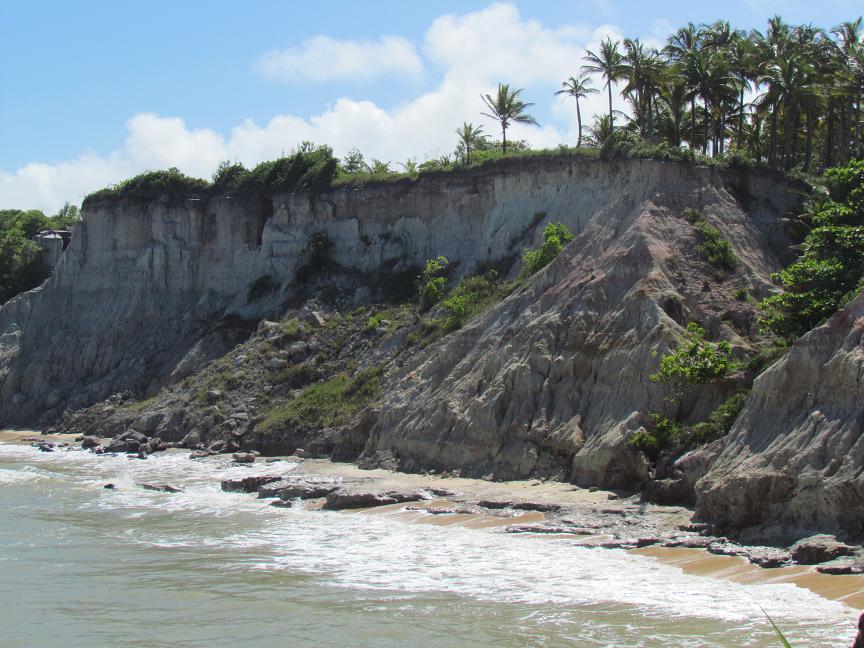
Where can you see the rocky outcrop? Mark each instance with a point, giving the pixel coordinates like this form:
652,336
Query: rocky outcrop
792,465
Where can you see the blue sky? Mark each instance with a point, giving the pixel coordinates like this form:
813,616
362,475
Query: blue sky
94,91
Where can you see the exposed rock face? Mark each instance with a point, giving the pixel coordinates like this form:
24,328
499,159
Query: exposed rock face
792,464
137,298
555,379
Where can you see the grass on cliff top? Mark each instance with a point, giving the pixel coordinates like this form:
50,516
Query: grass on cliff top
327,404
315,169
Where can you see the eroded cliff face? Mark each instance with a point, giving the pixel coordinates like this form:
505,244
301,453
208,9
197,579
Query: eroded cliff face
545,383
792,464
553,381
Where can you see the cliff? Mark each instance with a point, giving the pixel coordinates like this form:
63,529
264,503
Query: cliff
792,464
145,280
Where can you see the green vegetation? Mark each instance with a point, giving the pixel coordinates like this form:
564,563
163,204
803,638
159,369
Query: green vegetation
555,237
718,424
20,257
171,182
830,270
713,246
470,138
577,87
780,636
472,296
767,356
662,432
308,168
808,84
695,361
507,108
328,404
431,283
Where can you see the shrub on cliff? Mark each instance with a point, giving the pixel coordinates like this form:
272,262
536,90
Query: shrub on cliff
695,361
712,245
472,296
830,271
555,237
308,168
431,282
171,182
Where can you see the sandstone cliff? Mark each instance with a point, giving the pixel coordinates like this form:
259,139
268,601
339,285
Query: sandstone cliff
794,461
147,282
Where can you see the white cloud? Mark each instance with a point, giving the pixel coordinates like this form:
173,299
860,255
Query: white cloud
322,58
474,51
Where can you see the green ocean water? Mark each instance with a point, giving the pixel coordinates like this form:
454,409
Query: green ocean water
89,567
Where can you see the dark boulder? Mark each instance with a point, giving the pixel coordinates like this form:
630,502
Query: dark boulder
247,484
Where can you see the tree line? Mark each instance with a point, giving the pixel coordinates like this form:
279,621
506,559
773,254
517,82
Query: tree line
789,97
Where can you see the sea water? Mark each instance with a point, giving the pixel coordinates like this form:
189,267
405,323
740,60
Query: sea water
84,566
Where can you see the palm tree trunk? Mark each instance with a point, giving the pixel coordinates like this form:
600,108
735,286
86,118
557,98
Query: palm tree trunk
858,125
503,140
611,119
772,145
842,143
808,146
693,123
741,118
650,128
579,123
707,122
757,124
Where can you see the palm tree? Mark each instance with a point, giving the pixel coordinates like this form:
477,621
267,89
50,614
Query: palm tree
577,87
601,131
607,63
672,96
642,69
681,48
469,135
743,64
506,107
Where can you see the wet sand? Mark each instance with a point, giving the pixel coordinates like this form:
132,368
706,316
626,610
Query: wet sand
848,589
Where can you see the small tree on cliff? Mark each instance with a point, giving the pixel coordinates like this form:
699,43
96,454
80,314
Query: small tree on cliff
506,107
469,138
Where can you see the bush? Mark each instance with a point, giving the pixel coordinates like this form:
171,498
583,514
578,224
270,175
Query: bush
431,283
171,182
555,237
767,356
718,424
660,433
713,246
696,361
830,270
308,168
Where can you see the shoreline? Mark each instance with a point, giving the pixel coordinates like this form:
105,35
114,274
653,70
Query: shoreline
554,510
